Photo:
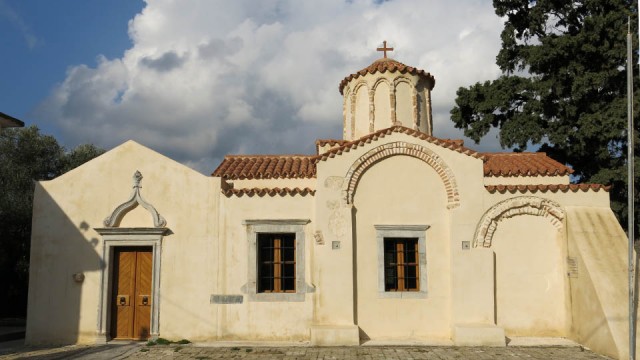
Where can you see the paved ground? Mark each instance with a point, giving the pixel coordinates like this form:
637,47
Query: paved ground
15,350
11,329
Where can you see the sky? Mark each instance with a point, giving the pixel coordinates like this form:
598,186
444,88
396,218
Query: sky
198,79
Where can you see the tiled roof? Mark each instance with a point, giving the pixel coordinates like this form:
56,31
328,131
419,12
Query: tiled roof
544,188
331,142
238,167
269,191
9,121
386,64
523,164
455,145
235,167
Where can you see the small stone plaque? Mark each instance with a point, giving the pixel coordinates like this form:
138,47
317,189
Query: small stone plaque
226,299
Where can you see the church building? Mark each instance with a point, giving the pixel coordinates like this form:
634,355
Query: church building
388,234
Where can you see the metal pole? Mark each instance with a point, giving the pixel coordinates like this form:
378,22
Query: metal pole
630,190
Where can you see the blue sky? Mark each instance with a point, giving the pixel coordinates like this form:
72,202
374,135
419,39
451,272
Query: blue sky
41,39
198,79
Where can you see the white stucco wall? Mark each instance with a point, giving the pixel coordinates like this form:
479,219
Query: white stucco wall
526,180
64,242
273,183
531,281
398,190
518,281
402,191
259,320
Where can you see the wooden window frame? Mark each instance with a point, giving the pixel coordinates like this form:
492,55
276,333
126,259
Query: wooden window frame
402,232
399,263
276,261
256,227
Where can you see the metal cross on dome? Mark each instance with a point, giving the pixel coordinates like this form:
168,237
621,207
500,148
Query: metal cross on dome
384,48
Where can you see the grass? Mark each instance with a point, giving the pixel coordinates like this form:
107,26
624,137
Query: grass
162,341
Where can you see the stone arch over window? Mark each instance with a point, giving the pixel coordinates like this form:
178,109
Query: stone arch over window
346,113
521,205
402,79
353,103
404,106
378,105
381,80
360,166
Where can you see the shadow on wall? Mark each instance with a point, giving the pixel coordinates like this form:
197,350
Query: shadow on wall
634,314
65,267
354,243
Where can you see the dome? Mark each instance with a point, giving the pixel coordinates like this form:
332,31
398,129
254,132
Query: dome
387,64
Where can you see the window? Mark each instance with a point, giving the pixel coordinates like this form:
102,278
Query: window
276,260
402,261
276,263
401,264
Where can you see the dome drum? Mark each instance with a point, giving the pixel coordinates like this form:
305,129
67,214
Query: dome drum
385,94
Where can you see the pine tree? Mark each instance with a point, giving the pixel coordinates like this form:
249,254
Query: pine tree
563,87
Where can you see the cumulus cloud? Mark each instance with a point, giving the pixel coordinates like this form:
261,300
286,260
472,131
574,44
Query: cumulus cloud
166,62
208,78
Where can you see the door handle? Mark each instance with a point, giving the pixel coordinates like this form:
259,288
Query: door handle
145,299
123,300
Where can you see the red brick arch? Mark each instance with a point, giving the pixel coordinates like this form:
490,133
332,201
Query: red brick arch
384,151
521,205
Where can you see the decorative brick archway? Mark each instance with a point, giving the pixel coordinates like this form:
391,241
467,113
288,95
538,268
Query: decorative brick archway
521,205
381,152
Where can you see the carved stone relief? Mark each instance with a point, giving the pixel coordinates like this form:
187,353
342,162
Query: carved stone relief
334,182
135,199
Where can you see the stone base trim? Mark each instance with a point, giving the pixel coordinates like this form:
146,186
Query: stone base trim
478,335
101,338
335,335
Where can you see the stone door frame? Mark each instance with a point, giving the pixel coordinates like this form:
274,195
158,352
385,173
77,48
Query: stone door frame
130,237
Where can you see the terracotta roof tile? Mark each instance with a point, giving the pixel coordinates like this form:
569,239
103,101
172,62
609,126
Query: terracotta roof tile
235,167
523,164
455,145
544,188
320,143
330,142
268,191
387,64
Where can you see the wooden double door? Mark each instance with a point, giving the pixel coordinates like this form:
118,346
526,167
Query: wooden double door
131,296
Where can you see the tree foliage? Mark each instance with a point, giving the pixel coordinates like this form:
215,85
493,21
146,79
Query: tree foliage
563,87
26,156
